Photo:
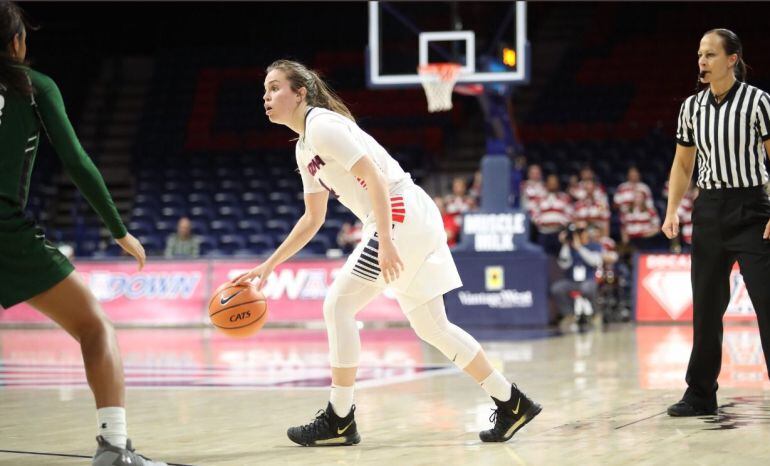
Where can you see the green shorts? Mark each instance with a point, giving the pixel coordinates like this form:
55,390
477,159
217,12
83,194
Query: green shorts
29,264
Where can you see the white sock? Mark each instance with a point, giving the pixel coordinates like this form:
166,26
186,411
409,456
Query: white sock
497,386
112,425
342,399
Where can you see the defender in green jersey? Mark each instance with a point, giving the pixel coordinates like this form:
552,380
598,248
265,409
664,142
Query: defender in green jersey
31,268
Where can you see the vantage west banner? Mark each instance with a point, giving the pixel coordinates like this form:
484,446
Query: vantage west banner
664,292
177,293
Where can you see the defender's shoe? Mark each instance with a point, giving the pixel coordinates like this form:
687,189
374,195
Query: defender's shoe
683,408
510,416
110,455
327,429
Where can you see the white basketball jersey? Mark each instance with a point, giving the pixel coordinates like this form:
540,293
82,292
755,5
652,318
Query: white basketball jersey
327,151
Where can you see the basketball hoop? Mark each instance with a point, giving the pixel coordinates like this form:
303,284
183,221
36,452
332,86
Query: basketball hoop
438,80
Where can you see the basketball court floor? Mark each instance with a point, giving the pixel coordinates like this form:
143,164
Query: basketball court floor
197,397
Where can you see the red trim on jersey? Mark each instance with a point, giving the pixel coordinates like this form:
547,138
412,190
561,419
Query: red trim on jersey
397,209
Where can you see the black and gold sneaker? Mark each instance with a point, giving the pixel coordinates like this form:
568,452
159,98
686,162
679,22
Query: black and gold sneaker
510,416
327,429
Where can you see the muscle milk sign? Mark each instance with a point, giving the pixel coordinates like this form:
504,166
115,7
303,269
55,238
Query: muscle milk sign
495,232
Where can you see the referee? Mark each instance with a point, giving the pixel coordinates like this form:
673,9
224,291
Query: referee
728,126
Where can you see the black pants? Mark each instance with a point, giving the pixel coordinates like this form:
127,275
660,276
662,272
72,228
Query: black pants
727,226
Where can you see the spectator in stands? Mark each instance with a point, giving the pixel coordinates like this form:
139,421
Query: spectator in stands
626,192
451,227
573,187
335,156
459,202
594,207
551,214
182,243
580,256
611,278
587,176
349,236
532,188
475,190
683,242
640,224
31,269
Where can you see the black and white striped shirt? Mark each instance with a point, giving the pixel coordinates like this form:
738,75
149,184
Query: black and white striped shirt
729,136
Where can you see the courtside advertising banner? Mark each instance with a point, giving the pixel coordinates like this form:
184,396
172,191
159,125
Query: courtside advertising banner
163,293
296,290
505,289
664,291
178,292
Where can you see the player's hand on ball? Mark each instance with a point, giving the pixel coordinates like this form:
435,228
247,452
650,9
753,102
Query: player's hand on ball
262,271
389,260
132,246
670,226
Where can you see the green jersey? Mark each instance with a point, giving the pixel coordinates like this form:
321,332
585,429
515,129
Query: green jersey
23,121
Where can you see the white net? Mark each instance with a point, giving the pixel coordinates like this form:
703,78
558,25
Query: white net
438,80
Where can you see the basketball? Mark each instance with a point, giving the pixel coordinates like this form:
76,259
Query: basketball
238,310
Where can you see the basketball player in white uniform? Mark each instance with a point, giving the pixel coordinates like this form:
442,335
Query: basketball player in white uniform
404,247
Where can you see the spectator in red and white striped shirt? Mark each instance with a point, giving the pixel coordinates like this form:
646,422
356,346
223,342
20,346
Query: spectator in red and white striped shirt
624,195
685,213
551,214
587,176
594,207
532,188
459,202
639,223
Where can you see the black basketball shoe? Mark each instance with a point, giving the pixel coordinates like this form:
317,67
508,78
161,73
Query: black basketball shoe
510,416
327,429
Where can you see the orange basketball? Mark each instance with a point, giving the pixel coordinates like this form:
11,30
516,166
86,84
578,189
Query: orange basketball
238,310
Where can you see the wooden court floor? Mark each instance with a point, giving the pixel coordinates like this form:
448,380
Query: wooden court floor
196,397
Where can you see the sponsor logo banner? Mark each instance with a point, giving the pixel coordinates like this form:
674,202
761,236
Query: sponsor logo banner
664,291
178,292
296,290
499,289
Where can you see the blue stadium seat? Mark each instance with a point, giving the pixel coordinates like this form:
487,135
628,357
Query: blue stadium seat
253,198
152,243
165,227
222,227
225,198
261,243
231,243
248,226
287,212
277,227
172,213
199,227
202,214
140,227
258,185
230,213
318,245
280,197
207,243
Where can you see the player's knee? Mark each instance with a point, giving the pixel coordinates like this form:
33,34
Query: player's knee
96,330
329,309
427,330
